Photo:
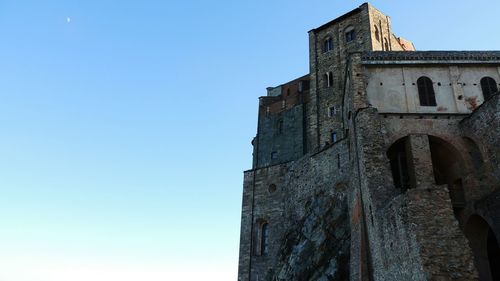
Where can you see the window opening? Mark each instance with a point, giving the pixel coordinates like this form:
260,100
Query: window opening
332,111
426,92
377,34
489,87
264,239
328,45
329,79
350,34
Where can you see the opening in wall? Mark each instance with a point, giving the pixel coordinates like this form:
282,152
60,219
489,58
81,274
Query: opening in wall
397,155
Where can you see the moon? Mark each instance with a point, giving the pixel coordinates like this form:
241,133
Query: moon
68,19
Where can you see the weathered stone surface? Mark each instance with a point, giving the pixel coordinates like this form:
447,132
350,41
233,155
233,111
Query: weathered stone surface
332,199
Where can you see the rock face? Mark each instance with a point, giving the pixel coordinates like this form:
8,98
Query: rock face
317,247
363,172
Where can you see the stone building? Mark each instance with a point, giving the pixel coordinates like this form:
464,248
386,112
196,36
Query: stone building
382,163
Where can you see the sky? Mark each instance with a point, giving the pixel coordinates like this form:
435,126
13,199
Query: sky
126,125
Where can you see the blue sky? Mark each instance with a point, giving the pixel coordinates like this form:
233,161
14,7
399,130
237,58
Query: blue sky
126,129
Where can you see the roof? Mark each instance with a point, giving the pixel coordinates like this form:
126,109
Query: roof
339,19
425,57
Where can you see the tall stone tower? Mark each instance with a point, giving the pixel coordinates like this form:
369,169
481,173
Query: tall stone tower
381,164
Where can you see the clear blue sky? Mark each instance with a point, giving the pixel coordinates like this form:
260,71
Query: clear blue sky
126,125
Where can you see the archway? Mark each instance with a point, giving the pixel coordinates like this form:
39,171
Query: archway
449,170
398,154
485,247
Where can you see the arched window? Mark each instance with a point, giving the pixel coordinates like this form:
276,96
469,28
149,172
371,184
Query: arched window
328,44
328,79
264,239
377,33
386,44
489,87
426,92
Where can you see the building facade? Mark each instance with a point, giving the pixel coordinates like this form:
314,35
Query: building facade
383,163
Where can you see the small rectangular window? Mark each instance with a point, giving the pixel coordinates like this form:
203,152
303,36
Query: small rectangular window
332,111
334,137
274,155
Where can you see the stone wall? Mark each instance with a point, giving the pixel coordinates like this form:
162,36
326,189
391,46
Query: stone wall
281,134
457,88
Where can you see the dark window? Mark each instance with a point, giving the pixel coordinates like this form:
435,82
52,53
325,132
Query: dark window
399,165
350,35
426,91
280,126
489,87
328,79
332,111
386,43
328,45
334,137
274,155
264,239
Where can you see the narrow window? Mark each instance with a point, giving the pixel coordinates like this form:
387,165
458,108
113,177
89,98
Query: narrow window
334,137
283,104
386,43
328,79
264,239
332,111
274,155
489,87
426,92
377,34
350,34
328,45
280,126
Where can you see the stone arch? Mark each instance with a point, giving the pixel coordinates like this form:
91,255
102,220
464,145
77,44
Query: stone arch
484,244
261,237
398,156
449,169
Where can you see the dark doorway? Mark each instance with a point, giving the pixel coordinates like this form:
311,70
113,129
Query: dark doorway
485,248
397,154
494,255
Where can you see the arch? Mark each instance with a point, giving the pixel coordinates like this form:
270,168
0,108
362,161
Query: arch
261,237
484,245
397,154
377,33
426,93
264,238
448,167
386,44
327,44
489,87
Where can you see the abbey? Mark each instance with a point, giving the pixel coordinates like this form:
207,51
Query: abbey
382,163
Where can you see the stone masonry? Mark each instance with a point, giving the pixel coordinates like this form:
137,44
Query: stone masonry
382,163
